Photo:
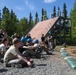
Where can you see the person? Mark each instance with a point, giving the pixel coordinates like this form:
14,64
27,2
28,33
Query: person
4,46
23,43
0,41
0,50
5,34
29,50
50,42
43,46
28,36
1,33
29,42
15,35
42,38
23,40
38,49
13,56
64,45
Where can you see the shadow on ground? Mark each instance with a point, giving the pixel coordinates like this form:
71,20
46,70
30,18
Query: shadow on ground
3,70
41,65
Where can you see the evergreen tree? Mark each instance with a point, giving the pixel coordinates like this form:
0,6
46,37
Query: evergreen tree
30,18
36,18
0,18
9,21
59,12
23,26
31,23
5,18
43,14
45,17
54,12
73,19
64,11
0,15
14,21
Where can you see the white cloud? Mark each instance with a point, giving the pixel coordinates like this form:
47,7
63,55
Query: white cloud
29,5
49,1
20,8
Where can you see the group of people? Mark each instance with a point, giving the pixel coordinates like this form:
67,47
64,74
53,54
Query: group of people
22,50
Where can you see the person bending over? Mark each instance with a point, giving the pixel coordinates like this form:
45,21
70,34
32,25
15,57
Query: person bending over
13,56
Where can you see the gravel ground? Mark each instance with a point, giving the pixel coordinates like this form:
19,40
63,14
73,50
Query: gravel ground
51,65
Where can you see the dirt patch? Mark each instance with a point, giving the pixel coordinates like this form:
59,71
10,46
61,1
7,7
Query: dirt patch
71,50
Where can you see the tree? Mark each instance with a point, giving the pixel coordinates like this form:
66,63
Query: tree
0,18
54,12
73,19
9,21
31,23
45,17
43,14
59,12
36,18
14,21
23,26
64,10
5,18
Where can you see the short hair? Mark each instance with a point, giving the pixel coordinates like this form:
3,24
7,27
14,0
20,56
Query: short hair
15,41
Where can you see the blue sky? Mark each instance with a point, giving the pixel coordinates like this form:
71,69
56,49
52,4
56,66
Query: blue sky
22,8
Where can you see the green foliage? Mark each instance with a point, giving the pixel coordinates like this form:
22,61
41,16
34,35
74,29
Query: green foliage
73,18
12,25
54,12
36,18
44,15
59,12
9,21
22,28
5,18
64,11
31,23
